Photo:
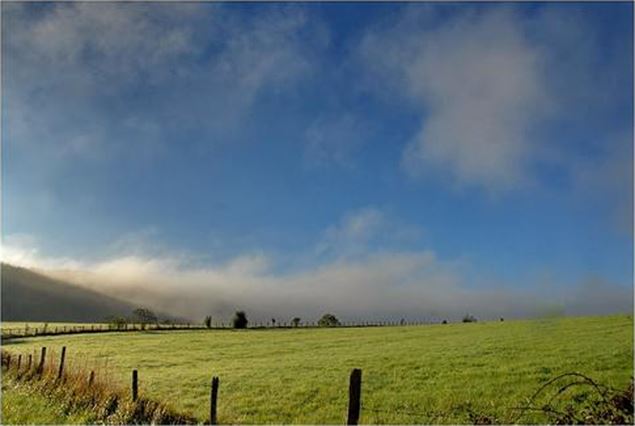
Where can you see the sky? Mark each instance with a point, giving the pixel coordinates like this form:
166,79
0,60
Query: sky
374,160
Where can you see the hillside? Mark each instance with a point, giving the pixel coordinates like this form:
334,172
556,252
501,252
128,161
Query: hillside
29,296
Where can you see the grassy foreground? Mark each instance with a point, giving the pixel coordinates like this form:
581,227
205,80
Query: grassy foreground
415,374
22,405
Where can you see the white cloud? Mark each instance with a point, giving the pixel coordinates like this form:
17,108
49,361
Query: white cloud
103,81
366,230
23,250
480,85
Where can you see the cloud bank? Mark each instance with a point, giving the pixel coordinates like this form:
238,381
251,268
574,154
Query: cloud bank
355,284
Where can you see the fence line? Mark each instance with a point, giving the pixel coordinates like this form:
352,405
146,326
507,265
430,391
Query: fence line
354,395
23,332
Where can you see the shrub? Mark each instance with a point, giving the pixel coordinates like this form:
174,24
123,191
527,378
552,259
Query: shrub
328,320
117,323
144,316
296,321
469,318
208,321
240,320
444,322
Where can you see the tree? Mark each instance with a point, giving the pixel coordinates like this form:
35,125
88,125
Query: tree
328,320
296,321
208,321
469,318
144,316
240,319
117,323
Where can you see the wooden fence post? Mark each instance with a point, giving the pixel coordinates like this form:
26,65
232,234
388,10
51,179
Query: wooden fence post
30,361
19,361
354,396
213,402
40,367
91,378
8,361
135,385
60,372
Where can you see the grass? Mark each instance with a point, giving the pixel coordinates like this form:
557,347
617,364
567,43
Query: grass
73,398
414,374
24,405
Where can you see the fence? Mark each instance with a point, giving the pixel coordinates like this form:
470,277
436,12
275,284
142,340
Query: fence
46,330
354,391
22,332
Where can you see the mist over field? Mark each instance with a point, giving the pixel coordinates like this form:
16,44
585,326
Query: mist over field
369,286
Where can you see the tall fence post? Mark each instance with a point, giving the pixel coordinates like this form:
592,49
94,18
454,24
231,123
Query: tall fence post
135,385
91,378
30,361
19,361
60,372
40,367
354,396
8,361
213,402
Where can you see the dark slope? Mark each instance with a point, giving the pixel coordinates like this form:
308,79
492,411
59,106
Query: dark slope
29,296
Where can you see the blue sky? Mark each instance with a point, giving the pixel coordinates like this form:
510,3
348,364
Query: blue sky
436,157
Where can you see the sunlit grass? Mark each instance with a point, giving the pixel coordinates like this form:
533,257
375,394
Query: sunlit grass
23,405
413,374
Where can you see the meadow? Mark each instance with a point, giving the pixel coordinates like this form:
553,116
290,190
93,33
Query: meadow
441,373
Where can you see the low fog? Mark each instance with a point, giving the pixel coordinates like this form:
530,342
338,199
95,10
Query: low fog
357,270
387,286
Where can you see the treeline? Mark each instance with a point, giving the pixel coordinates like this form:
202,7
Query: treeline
240,321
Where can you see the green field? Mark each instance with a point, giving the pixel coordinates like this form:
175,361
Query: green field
412,374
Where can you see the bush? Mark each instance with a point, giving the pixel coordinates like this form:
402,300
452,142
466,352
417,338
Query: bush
296,321
469,318
208,321
144,316
117,323
240,320
328,320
